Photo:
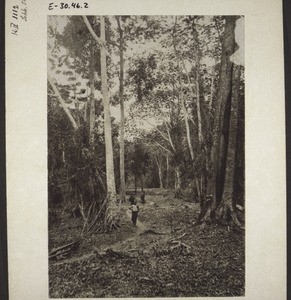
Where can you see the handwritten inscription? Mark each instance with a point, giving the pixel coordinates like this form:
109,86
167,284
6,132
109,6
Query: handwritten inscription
19,13
72,5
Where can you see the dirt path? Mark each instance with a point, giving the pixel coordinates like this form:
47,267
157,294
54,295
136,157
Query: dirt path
140,226
145,263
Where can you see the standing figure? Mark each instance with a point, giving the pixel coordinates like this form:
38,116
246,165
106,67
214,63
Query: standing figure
142,197
131,199
134,212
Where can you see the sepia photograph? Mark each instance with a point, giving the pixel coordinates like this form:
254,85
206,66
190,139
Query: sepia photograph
146,156
145,149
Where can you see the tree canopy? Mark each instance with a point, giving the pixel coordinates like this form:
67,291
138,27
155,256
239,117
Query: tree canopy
142,102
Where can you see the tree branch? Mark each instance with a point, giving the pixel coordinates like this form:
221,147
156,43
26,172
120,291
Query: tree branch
63,104
162,147
160,132
97,39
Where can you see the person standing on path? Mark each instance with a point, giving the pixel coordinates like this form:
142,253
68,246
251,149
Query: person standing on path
134,212
142,197
131,199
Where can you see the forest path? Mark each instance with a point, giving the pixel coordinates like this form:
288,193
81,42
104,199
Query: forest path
139,228
140,225
165,255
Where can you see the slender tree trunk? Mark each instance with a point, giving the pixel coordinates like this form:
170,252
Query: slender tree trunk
198,179
181,98
223,94
178,191
212,88
177,179
135,182
121,141
200,133
167,171
227,206
92,103
141,182
159,172
197,61
184,110
85,111
188,134
110,179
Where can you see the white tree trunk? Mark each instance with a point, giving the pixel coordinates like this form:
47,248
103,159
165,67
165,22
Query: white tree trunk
110,179
92,103
167,171
160,172
121,141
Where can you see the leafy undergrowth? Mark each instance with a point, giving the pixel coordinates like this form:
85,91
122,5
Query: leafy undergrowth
166,255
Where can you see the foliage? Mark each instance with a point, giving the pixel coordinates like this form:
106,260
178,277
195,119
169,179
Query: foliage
171,85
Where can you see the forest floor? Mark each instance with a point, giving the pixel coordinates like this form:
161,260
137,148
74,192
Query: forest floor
165,255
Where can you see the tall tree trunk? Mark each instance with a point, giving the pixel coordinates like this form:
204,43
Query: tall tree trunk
92,101
184,110
110,179
180,92
111,207
227,206
197,62
121,141
223,94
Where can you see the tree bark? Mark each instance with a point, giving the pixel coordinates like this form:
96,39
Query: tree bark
110,179
121,88
178,190
135,182
223,94
177,179
141,182
111,207
159,172
167,171
227,206
92,103
212,88
197,62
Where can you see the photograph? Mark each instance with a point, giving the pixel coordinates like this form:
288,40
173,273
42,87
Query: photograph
146,156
